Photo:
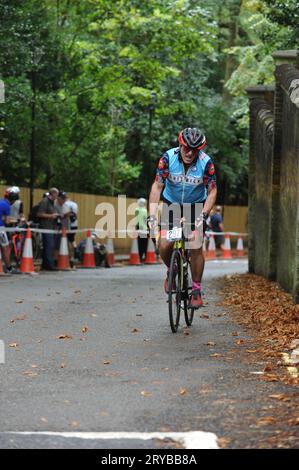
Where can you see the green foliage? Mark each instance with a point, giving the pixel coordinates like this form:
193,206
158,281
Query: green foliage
112,83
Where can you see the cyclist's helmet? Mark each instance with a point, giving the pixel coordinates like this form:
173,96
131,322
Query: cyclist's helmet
13,193
193,138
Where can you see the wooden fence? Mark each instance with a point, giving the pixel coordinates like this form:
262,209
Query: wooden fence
235,217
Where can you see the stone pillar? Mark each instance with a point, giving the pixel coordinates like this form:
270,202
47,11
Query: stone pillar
280,57
260,99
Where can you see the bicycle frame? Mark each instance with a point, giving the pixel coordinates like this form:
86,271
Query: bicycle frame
17,241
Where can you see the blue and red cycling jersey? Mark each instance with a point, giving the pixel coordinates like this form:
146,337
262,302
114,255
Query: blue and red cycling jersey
185,187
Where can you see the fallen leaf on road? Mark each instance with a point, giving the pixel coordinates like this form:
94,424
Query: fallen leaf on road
85,329
294,344
94,315
13,345
34,366
135,330
74,424
211,343
251,350
270,378
223,441
36,307
294,421
216,355
77,291
19,301
186,332
183,391
234,333
64,337
266,421
139,315
145,394
106,362
29,373
204,315
44,420
23,317
62,365
239,341
280,396
268,368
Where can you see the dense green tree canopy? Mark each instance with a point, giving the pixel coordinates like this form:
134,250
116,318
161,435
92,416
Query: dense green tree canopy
97,89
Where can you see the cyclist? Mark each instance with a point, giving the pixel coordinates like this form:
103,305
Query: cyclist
4,242
16,205
185,177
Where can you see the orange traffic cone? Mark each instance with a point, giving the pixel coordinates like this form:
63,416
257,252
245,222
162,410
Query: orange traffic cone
240,247
150,253
63,257
27,255
110,250
211,253
134,256
1,267
227,252
88,257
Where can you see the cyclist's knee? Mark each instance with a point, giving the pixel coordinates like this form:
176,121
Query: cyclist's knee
164,245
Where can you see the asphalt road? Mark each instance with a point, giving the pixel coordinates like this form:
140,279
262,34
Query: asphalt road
91,351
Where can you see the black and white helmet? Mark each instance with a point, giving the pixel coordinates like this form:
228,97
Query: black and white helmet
193,138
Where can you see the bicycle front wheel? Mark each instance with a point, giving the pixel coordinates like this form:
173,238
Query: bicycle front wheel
189,312
174,291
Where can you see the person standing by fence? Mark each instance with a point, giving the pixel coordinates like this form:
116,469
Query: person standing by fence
47,214
141,226
73,215
216,223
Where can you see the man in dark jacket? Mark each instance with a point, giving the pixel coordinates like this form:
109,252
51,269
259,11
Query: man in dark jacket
47,215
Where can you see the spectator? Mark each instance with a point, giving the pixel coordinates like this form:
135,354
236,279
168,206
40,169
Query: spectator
62,221
4,243
73,215
217,226
141,226
100,252
48,215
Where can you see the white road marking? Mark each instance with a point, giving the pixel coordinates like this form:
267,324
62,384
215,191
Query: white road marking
189,440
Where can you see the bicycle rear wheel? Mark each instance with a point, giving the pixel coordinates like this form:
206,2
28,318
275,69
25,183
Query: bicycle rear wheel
174,291
189,312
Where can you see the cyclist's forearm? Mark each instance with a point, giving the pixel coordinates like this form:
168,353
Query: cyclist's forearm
210,201
154,198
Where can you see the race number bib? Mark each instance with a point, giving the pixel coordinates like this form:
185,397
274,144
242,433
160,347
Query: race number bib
175,234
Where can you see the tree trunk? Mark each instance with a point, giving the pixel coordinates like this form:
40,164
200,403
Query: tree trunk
232,37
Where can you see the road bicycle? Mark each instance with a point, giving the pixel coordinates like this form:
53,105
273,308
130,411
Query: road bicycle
17,240
179,277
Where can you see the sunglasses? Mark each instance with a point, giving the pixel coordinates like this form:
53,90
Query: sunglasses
188,149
